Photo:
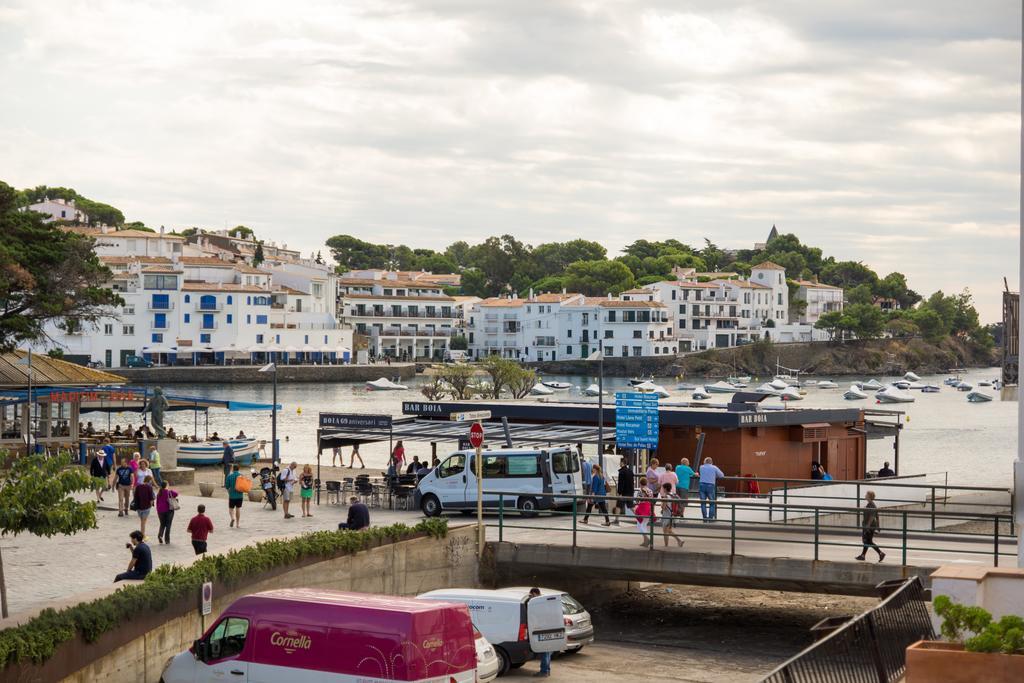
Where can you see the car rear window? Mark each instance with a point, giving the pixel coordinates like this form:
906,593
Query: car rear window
571,606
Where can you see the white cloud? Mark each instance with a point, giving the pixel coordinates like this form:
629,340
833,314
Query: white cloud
881,132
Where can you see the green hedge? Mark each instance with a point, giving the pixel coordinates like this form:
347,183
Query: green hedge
37,639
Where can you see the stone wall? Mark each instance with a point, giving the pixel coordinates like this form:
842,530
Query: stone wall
404,568
633,366
249,374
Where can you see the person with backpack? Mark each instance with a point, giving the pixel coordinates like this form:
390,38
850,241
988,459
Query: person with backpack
669,503
286,482
235,497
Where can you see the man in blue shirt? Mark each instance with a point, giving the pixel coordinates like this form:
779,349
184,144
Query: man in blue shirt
587,473
142,559
684,473
709,476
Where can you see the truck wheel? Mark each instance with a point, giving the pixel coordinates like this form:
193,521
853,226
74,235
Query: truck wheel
504,662
430,505
527,506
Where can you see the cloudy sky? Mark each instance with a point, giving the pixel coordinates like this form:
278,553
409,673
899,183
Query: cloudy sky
881,131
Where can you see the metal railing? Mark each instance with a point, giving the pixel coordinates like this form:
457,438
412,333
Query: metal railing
869,648
744,521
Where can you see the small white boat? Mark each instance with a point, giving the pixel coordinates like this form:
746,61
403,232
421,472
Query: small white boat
854,393
827,384
893,394
738,380
541,390
810,383
778,384
652,388
720,388
767,388
978,397
871,384
997,384
791,394
685,387
384,384
593,390
931,389
701,395
557,386
911,377
641,380
901,384
964,386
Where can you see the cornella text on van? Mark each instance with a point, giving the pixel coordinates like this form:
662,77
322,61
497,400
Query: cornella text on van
290,643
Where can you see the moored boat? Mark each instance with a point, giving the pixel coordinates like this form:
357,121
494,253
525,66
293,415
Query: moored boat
557,386
964,386
854,393
911,377
978,397
720,388
767,388
893,394
384,384
701,395
931,389
541,390
778,384
592,390
211,452
827,384
652,388
791,394
641,380
871,384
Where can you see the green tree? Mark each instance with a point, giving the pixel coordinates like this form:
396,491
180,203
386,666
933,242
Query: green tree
458,253
848,274
437,263
597,278
137,225
46,274
933,328
352,253
714,258
902,327
458,378
257,256
474,283
864,320
458,343
861,294
551,283
894,286
833,323
242,232
36,497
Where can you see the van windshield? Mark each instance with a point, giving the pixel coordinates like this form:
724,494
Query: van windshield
452,466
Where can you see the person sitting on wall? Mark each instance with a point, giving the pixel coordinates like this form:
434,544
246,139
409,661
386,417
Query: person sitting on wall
358,516
142,559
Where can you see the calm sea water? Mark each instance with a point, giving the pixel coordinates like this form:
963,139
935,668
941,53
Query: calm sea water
975,443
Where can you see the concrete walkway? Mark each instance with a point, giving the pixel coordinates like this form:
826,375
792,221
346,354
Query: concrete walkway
63,570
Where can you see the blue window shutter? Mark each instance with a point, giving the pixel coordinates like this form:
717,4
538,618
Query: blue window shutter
160,319
188,298
307,339
325,339
229,298
278,339
188,318
207,321
248,301
229,318
248,319
261,320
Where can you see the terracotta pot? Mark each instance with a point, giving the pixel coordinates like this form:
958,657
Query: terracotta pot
933,661
206,489
255,496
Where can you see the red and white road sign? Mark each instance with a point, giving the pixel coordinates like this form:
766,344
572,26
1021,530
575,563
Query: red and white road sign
476,435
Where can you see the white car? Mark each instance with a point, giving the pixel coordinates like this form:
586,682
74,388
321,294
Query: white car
579,629
487,662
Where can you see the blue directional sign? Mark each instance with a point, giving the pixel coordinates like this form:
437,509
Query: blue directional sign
636,419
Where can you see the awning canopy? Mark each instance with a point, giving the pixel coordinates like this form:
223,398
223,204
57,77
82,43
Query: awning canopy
421,429
125,398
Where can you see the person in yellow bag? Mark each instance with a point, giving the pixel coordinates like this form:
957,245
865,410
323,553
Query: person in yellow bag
235,484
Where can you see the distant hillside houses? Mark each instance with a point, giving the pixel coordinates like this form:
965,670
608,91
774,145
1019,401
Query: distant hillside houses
58,209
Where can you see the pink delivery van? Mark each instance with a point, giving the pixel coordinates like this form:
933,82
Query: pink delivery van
305,635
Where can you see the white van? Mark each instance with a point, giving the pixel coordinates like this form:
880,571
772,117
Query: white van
527,474
516,626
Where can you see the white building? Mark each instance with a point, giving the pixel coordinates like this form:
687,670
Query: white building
820,298
59,210
567,326
402,318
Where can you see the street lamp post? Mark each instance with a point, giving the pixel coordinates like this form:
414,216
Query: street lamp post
274,455
599,356
28,403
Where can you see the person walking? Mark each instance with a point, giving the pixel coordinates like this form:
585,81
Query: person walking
668,477
645,488
141,563
587,474
869,528
598,490
199,529
143,501
235,497
134,464
358,515
545,657
124,476
625,489
166,504
652,474
287,478
354,455
227,458
154,463
685,475
336,455
398,457
306,490
667,500
709,476
644,516
99,471
144,472
108,454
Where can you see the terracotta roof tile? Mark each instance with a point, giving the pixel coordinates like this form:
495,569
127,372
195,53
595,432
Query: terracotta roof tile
767,265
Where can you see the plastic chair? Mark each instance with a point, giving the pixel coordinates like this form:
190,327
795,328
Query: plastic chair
333,489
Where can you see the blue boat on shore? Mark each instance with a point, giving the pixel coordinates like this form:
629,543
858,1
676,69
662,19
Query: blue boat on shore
211,452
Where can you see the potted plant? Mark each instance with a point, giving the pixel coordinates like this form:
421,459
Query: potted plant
206,489
976,647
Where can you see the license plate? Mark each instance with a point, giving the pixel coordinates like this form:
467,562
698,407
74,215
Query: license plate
549,636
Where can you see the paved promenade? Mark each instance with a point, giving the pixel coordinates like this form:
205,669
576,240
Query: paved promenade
60,569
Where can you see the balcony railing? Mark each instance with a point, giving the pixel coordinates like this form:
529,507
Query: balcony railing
160,305
209,307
